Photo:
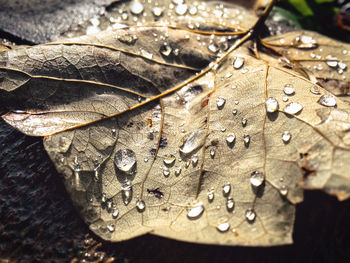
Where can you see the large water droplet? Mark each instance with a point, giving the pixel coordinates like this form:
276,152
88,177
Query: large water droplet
140,205
136,7
250,215
257,178
220,102
271,105
125,160
293,108
288,89
238,62
223,227
193,141
226,189
169,160
230,204
332,63
196,211
305,42
230,138
286,136
127,193
327,100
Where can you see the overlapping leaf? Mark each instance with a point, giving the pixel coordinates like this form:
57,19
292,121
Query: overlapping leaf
180,133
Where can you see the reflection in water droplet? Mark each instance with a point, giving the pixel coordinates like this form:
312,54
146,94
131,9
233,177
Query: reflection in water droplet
238,62
169,160
250,215
230,138
223,227
193,141
125,160
327,100
284,190
257,178
165,49
115,213
111,227
211,195
288,89
293,108
136,7
226,189
196,211
178,171
127,192
271,105
230,204
220,102
286,136
140,205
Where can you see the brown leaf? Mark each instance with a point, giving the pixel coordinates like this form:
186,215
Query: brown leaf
206,138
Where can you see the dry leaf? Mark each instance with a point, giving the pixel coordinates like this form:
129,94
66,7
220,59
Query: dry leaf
178,132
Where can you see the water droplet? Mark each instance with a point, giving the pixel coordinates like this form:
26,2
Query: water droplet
244,122
230,204
193,10
178,171
223,227
257,178
293,108
211,195
234,112
111,227
229,75
115,213
250,215
127,192
327,100
288,89
125,160
109,204
315,90
342,65
165,49
220,102
196,211
136,7
145,160
212,153
332,63
169,160
157,11
194,161
271,105
284,190
230,138
181,9
238,62
114,132
286,136
305,42
166,172
246,140
213,48
193,141
146,54
226,189
285,99
103,198
140,205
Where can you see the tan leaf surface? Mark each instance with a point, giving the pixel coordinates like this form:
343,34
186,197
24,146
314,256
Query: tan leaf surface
198,140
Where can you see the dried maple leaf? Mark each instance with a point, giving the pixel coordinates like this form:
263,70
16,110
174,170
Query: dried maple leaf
197,134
